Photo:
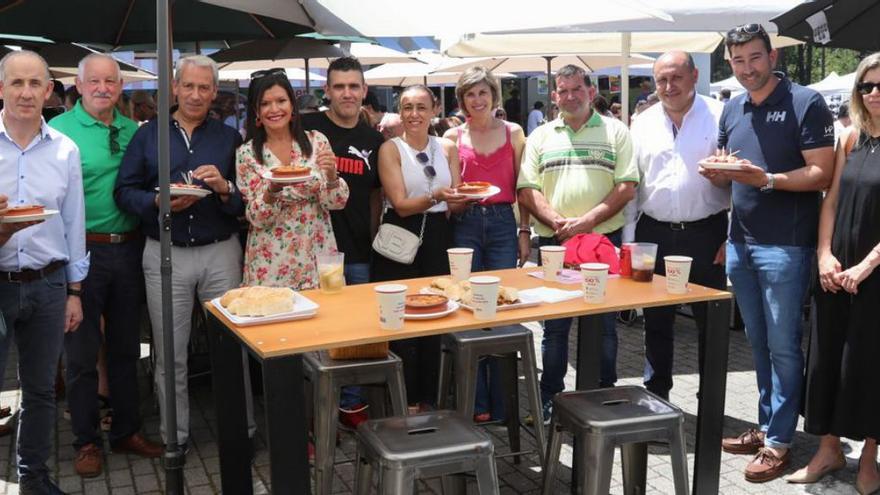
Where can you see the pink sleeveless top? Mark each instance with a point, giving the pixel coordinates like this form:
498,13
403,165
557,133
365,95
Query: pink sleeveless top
496,168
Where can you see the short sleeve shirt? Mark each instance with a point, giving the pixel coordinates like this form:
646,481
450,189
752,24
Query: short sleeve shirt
576,169
772,135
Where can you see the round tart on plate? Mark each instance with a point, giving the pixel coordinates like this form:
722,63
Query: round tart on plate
419,304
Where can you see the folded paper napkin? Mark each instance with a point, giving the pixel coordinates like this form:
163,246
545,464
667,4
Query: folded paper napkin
565,276
550,295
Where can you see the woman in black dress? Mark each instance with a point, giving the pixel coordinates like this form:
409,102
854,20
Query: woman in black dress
842,396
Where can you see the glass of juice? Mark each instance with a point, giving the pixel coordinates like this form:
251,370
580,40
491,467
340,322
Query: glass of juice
644,257
331,275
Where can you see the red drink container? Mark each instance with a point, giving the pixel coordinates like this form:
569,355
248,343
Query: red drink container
625,260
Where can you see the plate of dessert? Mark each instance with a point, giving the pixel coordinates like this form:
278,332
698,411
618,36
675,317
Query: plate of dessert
724,161
288,174
26,213
477,190
256,305
428,306
508,297
184,189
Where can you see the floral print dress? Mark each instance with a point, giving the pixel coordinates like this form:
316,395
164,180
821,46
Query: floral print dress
285,236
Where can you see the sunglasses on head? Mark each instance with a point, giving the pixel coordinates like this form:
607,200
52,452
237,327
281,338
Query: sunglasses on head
429,170
748,29
275,71
866,88
114,144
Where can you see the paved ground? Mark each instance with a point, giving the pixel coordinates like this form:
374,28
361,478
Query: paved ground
127,474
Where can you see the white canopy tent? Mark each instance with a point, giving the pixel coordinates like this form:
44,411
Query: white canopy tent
730,83
834,84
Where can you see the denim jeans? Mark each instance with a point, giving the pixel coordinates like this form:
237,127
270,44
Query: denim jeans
113,288
554,346
770,283
490,231
34,318
355,273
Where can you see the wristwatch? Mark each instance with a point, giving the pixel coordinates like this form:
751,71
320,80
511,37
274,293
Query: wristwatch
230,187
769,185
74,292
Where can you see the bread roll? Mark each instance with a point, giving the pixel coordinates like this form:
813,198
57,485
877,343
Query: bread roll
442,283
272,304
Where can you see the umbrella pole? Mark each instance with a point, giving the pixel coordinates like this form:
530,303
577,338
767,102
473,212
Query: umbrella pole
174,458
549,84
307,74
626,43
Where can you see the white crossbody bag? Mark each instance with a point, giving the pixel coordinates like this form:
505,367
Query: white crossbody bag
398,244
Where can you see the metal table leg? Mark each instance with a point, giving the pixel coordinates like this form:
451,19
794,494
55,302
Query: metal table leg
710,411
228,385
286,425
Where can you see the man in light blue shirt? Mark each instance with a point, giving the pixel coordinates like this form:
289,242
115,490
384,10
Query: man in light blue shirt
41,265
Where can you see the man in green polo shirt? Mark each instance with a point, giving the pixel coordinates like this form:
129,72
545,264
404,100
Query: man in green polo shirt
114,287
576,176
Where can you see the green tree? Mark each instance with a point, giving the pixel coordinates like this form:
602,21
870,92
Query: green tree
803,63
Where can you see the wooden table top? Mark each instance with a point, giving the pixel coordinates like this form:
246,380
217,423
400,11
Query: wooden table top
352,317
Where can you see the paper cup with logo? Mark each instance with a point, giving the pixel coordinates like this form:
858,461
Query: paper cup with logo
392,302
460,263
552,258
678,271
595,278
485,296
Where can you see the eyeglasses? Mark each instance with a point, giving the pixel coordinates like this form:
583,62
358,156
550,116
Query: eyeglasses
114,144
429,170
866,88
274,71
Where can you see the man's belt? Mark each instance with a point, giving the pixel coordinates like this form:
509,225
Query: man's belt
29,275
102,238
703,222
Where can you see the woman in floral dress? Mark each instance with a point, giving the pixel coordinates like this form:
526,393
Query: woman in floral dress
289,223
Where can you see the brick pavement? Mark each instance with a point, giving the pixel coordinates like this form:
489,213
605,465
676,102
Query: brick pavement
127,474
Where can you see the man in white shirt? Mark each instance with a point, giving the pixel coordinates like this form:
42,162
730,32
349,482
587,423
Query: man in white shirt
536,117
680,211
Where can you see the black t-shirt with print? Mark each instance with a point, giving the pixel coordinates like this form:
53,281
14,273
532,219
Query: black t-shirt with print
357,161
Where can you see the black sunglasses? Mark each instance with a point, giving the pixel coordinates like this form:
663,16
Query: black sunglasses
274,71
114,144
429,170
866,88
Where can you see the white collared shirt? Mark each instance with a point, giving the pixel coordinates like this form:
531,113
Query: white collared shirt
671,189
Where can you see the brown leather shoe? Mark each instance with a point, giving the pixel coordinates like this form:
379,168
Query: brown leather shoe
6,430
749,442
89,461
767,466
139,445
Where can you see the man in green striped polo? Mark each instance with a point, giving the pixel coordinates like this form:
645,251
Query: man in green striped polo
576,176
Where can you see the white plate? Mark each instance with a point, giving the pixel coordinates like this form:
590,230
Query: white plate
29,218
492,191
451,307
186,191
303,307
720,166
286,180
524,302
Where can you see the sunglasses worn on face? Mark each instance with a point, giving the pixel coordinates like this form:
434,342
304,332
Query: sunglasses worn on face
275,71
114,144
866,88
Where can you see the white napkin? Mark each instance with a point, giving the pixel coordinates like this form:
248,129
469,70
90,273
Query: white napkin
550,295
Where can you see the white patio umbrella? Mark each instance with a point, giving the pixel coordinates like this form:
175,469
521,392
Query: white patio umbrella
413,73
643,70
730,83
292,73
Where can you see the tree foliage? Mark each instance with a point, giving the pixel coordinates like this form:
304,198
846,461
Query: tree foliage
803,63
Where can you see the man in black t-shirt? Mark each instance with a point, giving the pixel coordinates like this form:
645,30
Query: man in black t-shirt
356,146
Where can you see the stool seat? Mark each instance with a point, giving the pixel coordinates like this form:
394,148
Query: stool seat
504,334
437,443
603,419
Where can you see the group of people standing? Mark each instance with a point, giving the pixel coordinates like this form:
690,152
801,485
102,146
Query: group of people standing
75,279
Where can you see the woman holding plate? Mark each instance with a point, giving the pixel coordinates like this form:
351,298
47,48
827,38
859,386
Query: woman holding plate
489,150
418,173
288,212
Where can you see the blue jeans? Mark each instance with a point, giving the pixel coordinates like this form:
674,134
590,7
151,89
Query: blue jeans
355,273
770,283
554,346
490,231
34,316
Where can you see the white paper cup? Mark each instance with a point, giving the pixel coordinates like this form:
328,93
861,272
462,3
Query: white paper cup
595,278
678,271
552,258
392,303
460,263
485,301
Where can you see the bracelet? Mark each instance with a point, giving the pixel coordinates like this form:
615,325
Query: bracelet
523,230
431,198
332,184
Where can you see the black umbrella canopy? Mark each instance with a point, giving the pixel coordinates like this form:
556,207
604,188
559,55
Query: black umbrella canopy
278,49
850,23
130,22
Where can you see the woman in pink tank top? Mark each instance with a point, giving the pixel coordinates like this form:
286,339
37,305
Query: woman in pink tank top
489,150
